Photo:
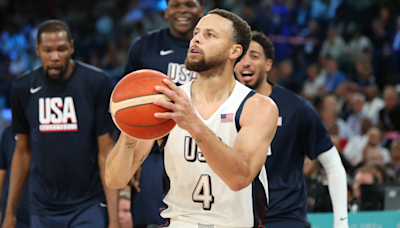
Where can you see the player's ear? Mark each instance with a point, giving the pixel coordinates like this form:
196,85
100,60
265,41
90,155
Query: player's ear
37,49
268,64
72,47
236,51
166,13
201,13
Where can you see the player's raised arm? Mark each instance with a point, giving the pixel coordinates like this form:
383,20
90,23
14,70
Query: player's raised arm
124,159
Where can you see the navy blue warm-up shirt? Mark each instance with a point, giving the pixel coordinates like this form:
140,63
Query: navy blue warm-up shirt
63,122
300,132
160,50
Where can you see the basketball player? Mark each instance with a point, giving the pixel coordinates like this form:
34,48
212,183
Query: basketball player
7,147
163,50
64,129
214,157
300,132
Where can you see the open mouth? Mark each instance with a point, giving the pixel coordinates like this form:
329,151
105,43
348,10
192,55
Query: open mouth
194,51
183,20
54,70
247,75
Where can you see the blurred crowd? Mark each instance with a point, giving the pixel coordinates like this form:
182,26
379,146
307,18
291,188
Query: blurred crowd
342,55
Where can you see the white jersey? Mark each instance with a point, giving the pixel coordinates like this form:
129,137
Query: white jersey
196,194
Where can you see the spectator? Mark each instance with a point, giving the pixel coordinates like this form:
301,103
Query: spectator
374,156
329,119
363,176
373,103
341,93
334,76
344,92
334,45
364,76
394,165
330,102
374,141
358,45
313,83
379,170
354,120
353,150
389,117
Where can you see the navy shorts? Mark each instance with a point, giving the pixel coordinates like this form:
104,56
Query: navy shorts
287,223
92,216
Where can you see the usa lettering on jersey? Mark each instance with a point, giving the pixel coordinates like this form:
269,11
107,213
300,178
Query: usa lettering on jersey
179,74
57,115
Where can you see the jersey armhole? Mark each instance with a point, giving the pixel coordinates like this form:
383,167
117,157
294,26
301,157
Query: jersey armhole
162,145
239,111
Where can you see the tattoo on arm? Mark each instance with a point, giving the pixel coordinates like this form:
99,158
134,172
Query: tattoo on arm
144,155
141,160
197,139
130,145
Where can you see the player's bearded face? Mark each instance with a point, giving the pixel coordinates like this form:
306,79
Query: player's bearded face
55,50
51,77
202,64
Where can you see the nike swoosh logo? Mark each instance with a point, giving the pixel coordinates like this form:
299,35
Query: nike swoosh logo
103,205
35,90
167,52
343,219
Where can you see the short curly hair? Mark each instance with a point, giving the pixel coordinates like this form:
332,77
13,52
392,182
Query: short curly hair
241,30
265,42
53,26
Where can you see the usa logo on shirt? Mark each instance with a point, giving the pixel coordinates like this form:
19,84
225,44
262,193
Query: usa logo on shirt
57,115
226,118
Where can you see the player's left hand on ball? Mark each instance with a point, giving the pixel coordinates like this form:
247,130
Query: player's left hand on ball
183,112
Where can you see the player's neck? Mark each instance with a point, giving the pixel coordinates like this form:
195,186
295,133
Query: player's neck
70,68
212,89
265,89
182,36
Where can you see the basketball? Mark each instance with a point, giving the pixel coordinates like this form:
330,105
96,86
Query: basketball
132,108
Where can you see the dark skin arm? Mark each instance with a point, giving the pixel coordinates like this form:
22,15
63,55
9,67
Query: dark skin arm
18,178
105,143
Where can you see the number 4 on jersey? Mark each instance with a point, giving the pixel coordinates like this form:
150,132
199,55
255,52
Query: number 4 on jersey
202,192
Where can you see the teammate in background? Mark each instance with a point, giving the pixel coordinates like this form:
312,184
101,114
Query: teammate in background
64,130
214,157
163,50
300,132
7,147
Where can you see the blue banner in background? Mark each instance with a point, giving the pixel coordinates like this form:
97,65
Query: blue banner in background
373,219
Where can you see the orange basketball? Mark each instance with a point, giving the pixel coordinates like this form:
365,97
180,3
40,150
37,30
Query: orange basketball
132,108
